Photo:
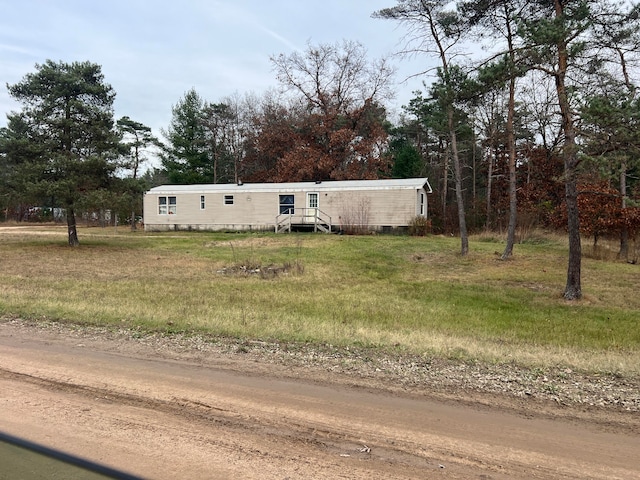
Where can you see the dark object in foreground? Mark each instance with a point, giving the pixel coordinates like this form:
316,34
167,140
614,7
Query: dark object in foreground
27,460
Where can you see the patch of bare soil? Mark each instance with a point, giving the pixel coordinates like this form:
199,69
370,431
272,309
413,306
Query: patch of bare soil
177,406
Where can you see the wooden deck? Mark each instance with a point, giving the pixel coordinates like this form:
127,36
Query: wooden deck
303,219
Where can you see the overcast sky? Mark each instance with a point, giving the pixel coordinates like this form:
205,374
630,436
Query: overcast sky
152,52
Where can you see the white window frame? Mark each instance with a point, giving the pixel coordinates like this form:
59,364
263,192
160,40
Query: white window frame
286,208
202,202
167,205
310,197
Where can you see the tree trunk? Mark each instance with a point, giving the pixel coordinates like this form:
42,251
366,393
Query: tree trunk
464,239
473,164
445,191
511,141
71,228
624,232
136,165
513,210
573,289
623,254
489,187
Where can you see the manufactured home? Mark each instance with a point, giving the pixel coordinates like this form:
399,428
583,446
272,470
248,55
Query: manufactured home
331,206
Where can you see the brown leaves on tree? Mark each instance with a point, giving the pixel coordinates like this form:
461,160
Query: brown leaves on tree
601,211
541,189
333,127
321,146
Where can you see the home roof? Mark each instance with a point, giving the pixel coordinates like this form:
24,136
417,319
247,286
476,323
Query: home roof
403,183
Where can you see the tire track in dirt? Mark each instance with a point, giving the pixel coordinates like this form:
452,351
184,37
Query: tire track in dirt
195,411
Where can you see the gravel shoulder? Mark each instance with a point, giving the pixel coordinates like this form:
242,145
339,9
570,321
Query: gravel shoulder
557,391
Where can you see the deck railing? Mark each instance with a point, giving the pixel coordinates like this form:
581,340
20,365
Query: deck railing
304,217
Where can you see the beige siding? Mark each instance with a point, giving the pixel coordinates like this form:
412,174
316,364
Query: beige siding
257,210
379,208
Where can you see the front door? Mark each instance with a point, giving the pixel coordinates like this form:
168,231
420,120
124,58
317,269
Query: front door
312,207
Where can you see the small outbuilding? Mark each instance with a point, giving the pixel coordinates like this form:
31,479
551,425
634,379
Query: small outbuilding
377,205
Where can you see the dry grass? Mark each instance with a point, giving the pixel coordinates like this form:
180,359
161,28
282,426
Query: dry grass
411,293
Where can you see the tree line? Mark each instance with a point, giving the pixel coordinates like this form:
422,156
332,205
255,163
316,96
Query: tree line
538,129
554,99
327,122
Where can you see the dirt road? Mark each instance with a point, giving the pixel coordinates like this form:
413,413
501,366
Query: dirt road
169,416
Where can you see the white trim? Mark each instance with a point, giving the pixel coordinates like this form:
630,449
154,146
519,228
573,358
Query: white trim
329,186
317,195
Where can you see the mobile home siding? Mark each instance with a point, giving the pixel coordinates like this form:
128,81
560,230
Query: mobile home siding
376,203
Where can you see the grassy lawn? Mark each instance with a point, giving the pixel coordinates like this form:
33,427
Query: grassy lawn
393,292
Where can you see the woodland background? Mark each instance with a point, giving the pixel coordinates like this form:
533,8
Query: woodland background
540,129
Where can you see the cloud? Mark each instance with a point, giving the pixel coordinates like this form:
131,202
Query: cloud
153,52
280,38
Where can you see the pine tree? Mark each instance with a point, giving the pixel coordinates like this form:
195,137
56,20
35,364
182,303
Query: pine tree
67,123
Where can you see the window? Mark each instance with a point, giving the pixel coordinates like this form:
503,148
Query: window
167,205
228,199
286,204
312,200
202,204
422,204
